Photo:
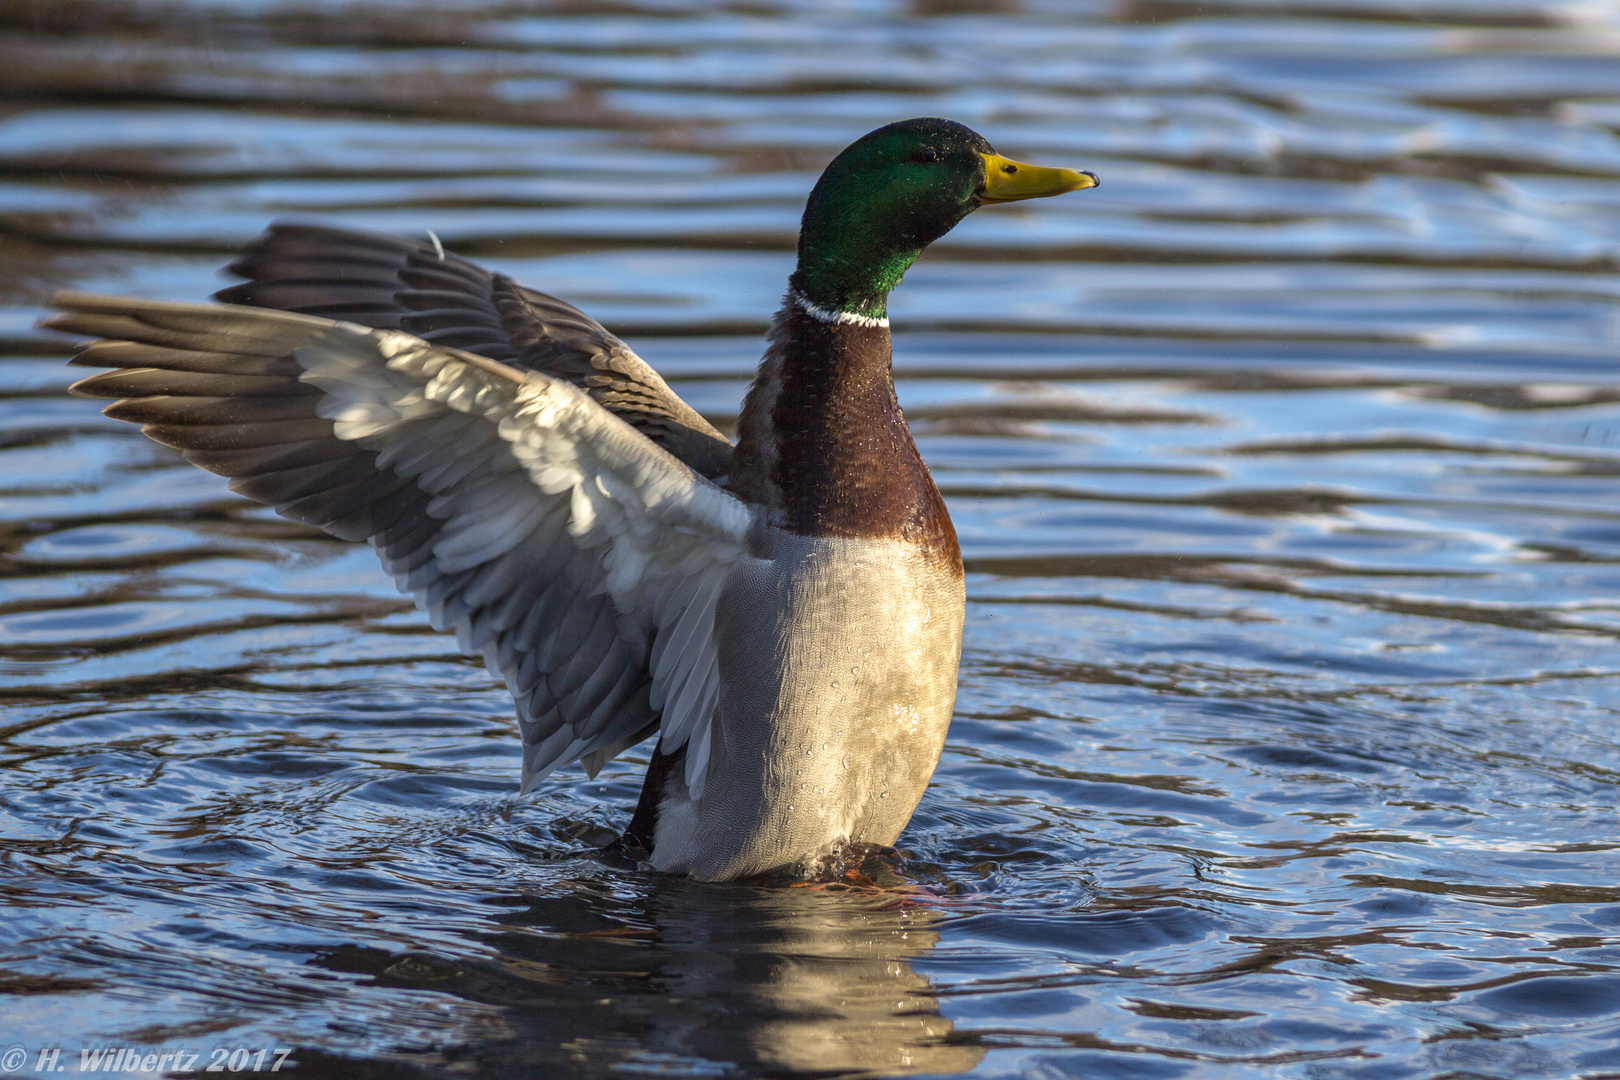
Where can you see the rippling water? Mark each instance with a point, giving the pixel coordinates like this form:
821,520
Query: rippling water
1285,466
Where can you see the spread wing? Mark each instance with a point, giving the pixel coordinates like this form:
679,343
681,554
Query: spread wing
576,556
394,284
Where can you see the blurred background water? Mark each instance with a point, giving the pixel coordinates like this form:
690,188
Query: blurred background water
1285,465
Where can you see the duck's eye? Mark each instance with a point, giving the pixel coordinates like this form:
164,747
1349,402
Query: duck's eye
928,155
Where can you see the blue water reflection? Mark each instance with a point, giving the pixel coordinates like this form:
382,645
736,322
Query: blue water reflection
1285,466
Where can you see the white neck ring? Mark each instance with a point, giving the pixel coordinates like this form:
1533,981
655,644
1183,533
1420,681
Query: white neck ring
821,314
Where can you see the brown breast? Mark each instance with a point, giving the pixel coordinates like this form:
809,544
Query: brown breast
823,444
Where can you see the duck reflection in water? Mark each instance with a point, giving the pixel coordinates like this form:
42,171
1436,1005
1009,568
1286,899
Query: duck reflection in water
692,978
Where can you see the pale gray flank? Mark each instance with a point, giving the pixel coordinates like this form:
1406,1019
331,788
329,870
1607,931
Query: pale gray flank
838,662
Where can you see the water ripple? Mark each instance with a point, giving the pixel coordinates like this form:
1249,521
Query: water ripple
1285,466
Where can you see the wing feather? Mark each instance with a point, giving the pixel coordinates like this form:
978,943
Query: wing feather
394,284
580,559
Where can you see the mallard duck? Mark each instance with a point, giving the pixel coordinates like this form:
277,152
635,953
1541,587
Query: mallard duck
784,613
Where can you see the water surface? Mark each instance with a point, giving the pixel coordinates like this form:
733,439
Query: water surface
1285,465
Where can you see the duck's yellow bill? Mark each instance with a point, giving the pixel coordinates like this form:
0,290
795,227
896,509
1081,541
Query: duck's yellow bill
1008,181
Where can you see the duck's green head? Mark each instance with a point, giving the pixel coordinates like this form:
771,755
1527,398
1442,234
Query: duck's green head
894,191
